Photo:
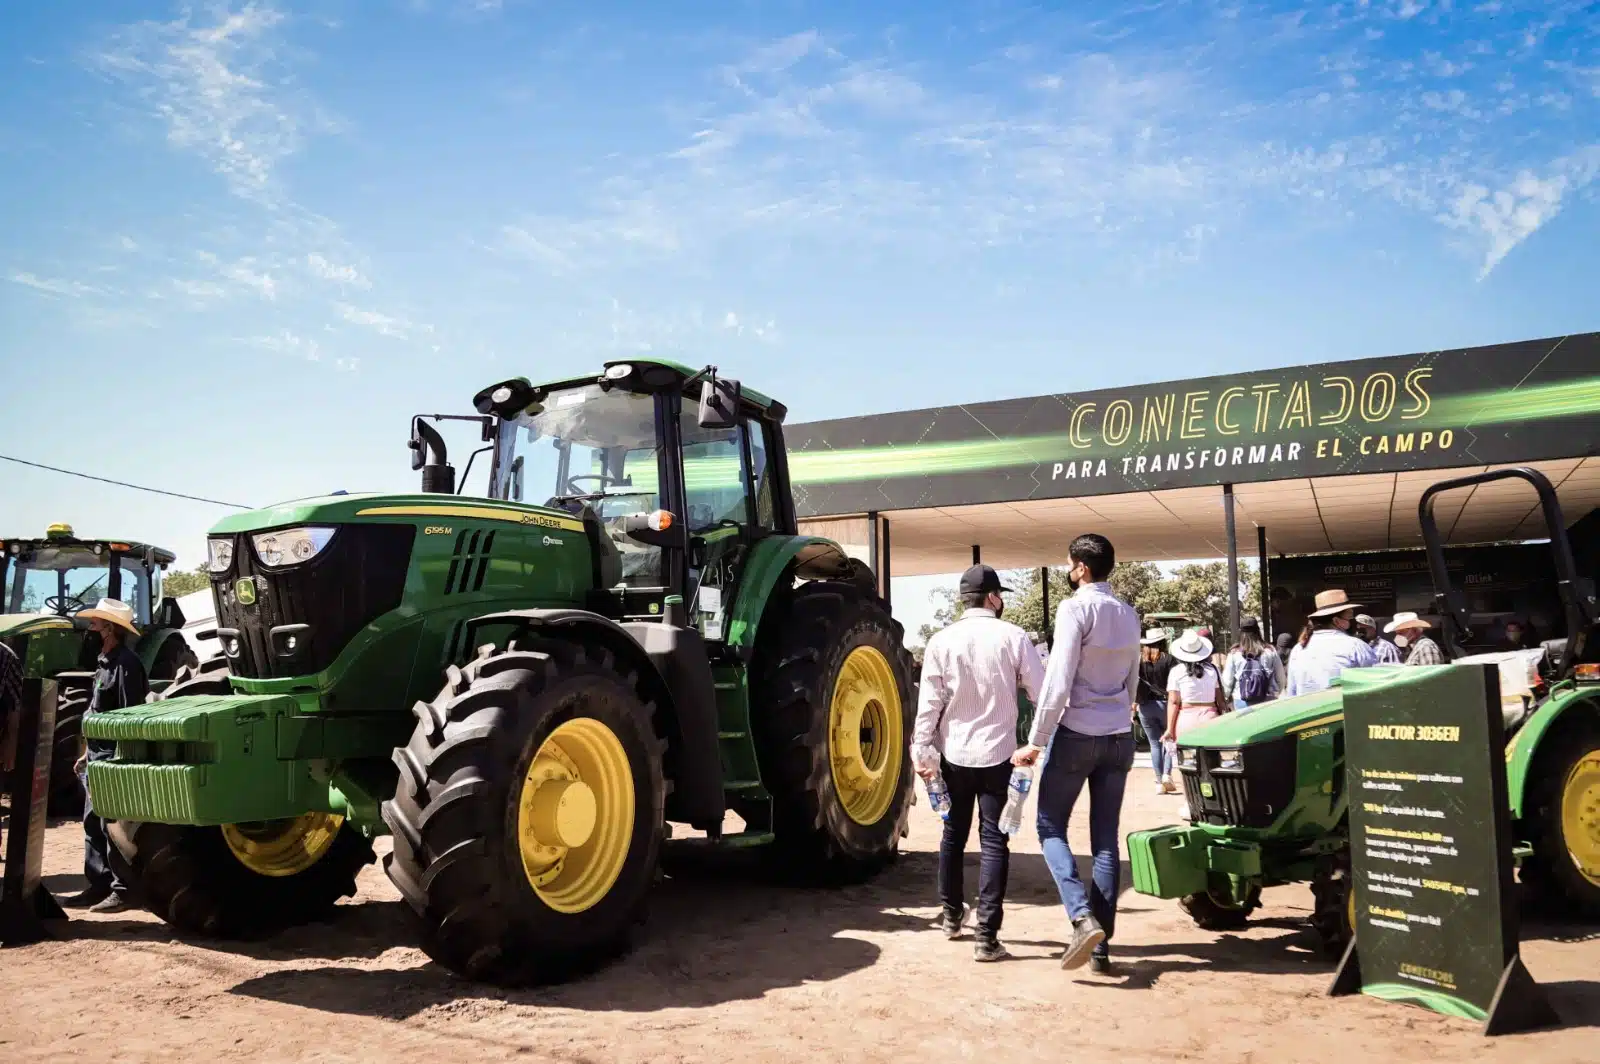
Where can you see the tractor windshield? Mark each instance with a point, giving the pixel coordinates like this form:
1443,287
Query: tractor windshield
583,444
64,580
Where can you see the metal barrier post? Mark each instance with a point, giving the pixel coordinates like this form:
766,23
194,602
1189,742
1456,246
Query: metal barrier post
25,904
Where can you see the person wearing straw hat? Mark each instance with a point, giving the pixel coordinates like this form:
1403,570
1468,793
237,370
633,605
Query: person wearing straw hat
1155,665
119,682
1409,631
1194,689
1327,645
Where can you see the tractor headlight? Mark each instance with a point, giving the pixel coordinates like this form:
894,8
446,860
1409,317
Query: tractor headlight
1230,760
1188,757
219,555
291,546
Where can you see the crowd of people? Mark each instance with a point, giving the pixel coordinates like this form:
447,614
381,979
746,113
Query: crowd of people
1100,675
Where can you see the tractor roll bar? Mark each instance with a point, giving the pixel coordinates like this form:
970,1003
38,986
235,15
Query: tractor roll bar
1577,598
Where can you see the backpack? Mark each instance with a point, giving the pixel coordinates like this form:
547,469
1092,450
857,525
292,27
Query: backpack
1254,683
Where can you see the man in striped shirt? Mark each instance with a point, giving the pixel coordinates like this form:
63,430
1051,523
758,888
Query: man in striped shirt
968,717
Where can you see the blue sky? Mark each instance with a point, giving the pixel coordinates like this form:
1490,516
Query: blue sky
243,243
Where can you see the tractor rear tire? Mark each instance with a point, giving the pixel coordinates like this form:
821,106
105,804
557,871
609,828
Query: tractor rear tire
832,711
1564,788
529,813
1209,914
201,879
72,701
1333,908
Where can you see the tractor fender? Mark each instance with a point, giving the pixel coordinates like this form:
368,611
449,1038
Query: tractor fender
1524,746
675,667
152,642
812,557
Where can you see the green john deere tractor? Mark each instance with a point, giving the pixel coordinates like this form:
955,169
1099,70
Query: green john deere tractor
1267,791
523,690
43,583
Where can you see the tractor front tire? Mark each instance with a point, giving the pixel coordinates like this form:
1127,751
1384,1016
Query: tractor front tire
832,710
72,701
244,880
240,880
529,813
1563,805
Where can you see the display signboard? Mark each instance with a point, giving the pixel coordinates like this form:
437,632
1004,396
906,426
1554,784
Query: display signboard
1515,402
24,902
1430,846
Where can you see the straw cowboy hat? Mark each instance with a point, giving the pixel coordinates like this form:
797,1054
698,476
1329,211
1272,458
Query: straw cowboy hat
112,611
1153,636
1406,620
1332,602
1191,646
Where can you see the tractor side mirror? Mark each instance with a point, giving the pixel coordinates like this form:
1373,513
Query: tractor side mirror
657,529
719,403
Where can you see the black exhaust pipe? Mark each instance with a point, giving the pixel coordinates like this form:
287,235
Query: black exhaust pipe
438,475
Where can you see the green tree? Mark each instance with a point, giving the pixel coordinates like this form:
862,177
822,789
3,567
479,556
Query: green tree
181,582
1198,589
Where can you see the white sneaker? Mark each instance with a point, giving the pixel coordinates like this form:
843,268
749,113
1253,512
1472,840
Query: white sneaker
1167,786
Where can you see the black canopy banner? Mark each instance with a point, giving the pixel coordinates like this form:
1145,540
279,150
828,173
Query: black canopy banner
1516,402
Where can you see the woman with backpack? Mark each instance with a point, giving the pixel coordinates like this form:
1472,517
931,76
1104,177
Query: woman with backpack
1253,673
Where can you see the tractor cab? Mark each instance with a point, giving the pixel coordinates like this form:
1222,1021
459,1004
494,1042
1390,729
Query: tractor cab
59,574
676,472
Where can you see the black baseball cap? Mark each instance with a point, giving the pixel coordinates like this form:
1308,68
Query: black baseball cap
981,580
1250,622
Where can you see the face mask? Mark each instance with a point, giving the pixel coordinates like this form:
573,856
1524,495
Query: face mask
1000,608
1401,641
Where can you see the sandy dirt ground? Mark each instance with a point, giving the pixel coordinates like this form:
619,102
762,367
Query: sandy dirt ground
729,968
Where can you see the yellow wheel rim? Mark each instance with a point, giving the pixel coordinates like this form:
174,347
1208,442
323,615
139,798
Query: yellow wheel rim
866,735
1350,904
283,847
1580,815
575,815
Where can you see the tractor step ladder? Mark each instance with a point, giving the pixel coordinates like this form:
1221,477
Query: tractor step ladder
741,771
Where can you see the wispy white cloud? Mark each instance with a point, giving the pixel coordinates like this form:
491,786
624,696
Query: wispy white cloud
207,82
1152,142
380,323
53,286
327,270
287,342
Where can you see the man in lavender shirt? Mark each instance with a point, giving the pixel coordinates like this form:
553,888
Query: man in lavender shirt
1090,690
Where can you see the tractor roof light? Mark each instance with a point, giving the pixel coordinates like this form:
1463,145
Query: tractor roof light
618,371
59,530
1586,673
660,520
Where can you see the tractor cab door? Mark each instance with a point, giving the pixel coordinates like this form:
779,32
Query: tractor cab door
728,504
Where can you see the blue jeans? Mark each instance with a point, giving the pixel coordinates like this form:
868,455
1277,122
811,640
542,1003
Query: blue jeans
96,864
1103,762
1153,715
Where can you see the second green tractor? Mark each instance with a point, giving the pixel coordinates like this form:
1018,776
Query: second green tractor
524,689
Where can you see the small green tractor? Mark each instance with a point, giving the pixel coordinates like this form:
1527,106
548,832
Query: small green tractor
1268,797
43,583
525,690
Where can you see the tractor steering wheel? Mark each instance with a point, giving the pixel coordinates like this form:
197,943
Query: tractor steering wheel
57,604
572,482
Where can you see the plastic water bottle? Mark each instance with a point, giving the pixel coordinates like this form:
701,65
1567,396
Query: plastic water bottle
1016,797
938,793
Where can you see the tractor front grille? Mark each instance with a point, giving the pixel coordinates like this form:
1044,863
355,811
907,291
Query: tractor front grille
303,615
1251,798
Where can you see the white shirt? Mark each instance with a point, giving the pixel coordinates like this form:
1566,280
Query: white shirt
1093,678
970,675
1193,690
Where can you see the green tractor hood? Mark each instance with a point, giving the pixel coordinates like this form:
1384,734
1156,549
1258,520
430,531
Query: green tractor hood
1285,716
20,624
378,507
